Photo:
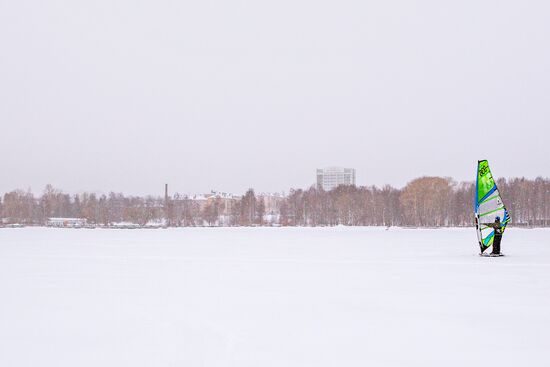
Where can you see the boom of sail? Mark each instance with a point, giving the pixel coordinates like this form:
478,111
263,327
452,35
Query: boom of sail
488,205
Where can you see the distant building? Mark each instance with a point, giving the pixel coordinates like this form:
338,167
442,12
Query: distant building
272,204
226,200
66,222
332,177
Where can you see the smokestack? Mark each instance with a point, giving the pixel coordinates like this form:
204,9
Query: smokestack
166,205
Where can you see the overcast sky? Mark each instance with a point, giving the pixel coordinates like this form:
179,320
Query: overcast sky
225,95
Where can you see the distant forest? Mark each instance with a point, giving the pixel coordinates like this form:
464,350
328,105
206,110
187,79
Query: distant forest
423,202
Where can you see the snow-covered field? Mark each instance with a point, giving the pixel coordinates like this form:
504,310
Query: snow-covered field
272,297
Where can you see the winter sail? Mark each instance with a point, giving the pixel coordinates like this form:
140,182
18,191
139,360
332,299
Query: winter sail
488,205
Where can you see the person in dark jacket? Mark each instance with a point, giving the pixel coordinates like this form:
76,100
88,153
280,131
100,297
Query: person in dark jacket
497,226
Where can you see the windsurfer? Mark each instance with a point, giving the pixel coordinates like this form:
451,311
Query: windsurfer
497,226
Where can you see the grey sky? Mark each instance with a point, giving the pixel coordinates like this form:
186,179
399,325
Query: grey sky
128,95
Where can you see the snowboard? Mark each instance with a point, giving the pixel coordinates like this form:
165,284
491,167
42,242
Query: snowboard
489,255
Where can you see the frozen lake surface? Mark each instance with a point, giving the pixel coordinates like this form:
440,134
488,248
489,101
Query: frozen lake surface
272,297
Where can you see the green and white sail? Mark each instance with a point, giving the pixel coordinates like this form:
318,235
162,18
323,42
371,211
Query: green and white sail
488,205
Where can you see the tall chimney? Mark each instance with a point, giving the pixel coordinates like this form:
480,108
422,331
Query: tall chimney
166,205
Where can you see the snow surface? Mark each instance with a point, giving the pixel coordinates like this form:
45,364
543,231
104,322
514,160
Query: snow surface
272,297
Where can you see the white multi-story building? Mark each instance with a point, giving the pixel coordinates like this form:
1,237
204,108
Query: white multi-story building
331,177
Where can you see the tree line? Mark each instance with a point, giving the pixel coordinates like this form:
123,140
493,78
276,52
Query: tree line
423,202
